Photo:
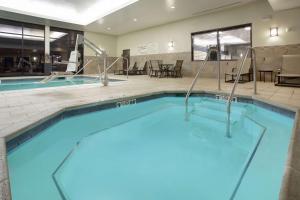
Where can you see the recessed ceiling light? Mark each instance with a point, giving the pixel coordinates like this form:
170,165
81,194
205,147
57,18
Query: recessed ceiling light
108,28
135,19
173,7
101,21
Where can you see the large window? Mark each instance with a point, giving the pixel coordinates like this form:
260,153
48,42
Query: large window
231,42
21,48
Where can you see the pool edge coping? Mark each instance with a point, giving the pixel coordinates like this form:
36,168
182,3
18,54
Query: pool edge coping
287,189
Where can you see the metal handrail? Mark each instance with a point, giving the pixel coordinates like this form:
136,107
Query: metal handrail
111,65
229,101
88,62
198,73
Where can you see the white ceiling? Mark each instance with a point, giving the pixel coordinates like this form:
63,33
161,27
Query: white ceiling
278,5
116,17
151,13
81,12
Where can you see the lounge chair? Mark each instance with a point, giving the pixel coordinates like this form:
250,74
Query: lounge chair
155,68
175,71
142,70
132,70
289,74
245,72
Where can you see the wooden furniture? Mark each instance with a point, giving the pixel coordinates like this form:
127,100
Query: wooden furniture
263,72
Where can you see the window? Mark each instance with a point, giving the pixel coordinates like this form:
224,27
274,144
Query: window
10,47
201,44
21,48
33,48
62,42
232,43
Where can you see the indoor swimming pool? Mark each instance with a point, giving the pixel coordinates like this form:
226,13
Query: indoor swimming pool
33,83
154,149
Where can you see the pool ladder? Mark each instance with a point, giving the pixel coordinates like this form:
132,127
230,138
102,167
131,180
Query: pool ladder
231,96
199,71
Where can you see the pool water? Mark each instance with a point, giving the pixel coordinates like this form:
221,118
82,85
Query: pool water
32,83
155,150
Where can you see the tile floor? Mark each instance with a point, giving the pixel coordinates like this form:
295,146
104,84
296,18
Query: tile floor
19,109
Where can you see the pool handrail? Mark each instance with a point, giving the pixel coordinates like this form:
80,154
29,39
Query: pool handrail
199,71
112,64
236,81
85,65
80,39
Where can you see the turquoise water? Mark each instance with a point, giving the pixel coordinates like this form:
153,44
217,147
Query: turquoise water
155,150
21,84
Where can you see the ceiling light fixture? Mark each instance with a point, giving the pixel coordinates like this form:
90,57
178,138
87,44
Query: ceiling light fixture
173,7
108,28
135,19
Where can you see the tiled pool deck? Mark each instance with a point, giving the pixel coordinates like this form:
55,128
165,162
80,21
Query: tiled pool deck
20,109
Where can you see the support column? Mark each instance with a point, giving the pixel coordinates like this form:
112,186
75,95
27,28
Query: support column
254,70
105,78
47,65
219,60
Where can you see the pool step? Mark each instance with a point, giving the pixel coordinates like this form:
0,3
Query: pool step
210,124
221,106
216,114
206,129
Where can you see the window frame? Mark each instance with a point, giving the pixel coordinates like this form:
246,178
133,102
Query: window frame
218,30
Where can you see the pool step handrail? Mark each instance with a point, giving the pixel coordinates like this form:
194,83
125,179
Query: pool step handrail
84,66
236,81
199,71
113,63
48,78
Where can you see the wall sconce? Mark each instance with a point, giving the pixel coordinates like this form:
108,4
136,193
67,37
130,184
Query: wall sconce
274,32
288,29
171,45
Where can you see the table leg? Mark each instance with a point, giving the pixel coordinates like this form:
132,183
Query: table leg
260,76
271,76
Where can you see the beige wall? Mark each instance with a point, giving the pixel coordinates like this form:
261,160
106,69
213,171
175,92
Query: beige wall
107,42
180,32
